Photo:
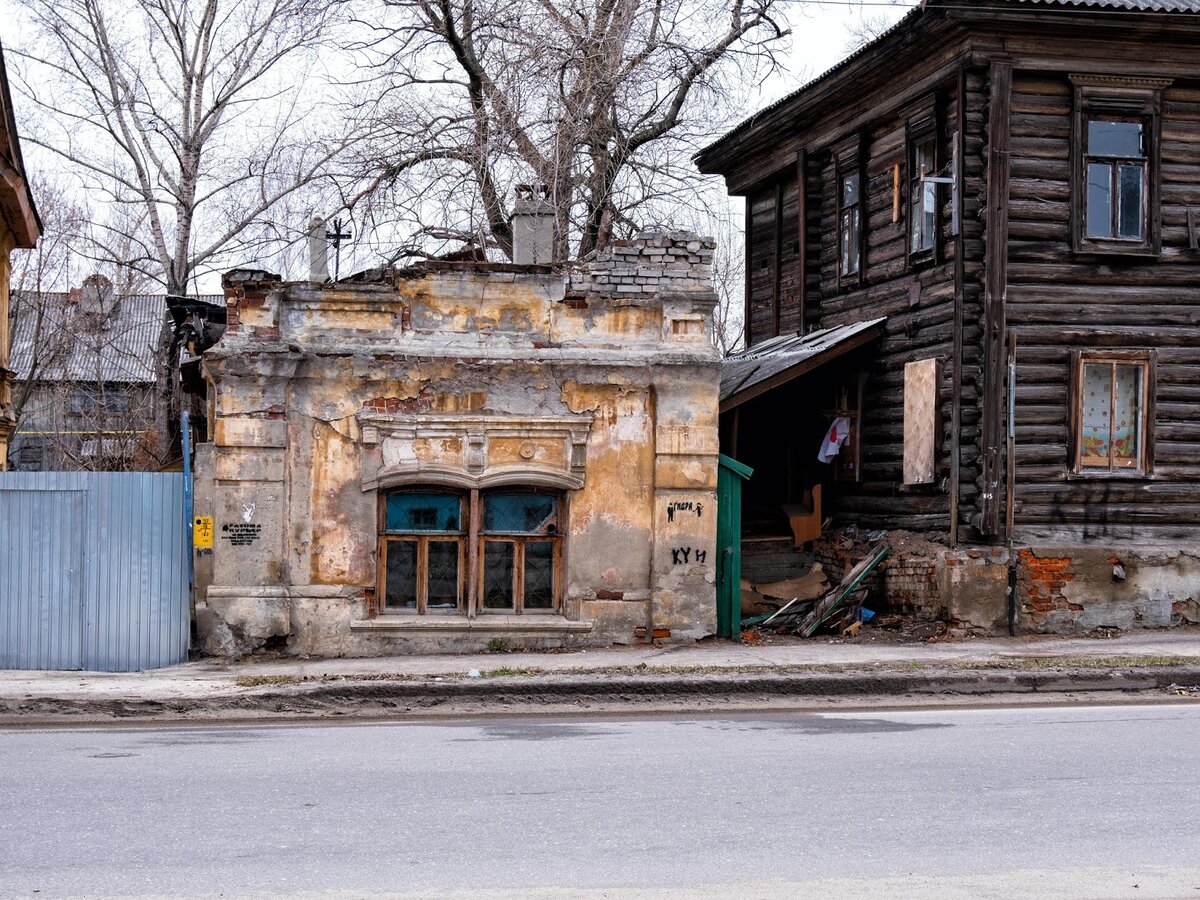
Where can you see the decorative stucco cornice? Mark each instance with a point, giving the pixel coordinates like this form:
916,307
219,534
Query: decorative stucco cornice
468,467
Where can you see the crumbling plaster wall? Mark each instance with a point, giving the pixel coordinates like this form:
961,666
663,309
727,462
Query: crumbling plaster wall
322,393
1059,589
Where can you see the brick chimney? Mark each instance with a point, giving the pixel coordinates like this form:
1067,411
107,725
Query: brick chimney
533,226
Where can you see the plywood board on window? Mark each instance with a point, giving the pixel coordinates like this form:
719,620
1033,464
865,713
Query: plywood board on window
920,420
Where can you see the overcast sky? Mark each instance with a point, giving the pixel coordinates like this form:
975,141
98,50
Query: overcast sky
823,32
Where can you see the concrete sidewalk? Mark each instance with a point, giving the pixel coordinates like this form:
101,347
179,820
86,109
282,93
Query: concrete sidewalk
710,670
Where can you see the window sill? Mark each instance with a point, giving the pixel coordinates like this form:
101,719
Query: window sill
493,622
1115,475
1132,251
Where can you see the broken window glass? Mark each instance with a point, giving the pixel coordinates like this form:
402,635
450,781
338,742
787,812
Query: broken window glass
442,578
923,196
519,513
408,512
850,227
539,575
1099,200
498,557
401,585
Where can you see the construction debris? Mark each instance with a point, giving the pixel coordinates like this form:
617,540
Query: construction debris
815,608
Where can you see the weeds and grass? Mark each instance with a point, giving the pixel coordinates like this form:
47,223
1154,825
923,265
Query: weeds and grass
497,645
1022,663
506,672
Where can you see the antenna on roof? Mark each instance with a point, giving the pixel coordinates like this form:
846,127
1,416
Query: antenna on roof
335,237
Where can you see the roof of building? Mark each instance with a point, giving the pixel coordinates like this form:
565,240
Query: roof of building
16,200
749,373
928,6
79,346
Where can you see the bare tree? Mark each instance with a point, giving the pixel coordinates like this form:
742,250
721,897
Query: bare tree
866,28
192,111
189,121
58,257
601,101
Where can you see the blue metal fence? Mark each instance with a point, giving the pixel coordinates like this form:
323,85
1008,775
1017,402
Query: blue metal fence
93,570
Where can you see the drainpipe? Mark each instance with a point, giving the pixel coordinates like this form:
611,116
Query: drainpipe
652,404
1011,486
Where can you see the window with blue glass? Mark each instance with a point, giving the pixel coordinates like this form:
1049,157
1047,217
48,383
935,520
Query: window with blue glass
421,551
520,550
426,559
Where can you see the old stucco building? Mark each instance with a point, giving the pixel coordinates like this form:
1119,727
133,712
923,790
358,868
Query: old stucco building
443,456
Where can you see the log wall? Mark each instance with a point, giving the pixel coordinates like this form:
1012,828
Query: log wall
1059,301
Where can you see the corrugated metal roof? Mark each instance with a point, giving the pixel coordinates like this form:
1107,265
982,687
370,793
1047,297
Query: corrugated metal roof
76,346
1135,5
753,371
1165,6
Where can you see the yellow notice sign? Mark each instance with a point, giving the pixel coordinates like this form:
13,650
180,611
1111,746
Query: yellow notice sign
202,533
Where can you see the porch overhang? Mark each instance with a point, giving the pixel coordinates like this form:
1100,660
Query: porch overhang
753,372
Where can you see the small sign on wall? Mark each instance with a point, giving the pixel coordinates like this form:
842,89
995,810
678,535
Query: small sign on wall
920,420
202,532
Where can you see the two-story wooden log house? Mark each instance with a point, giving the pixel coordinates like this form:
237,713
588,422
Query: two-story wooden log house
1005,197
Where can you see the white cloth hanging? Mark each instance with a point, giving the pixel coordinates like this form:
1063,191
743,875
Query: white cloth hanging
835,438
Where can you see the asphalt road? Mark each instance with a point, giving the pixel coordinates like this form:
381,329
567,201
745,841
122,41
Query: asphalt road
1073,802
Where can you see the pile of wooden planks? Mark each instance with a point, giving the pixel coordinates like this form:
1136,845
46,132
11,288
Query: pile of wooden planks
838,609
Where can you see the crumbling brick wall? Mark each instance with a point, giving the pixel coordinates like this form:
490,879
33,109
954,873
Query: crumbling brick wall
907,581
653,263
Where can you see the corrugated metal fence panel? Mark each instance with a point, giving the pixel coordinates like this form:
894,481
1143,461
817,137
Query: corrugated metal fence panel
41,579
115,561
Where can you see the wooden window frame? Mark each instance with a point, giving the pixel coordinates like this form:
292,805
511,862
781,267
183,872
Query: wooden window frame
918,130
1118,99
422,539
471,539
1148,361
849,160
520,542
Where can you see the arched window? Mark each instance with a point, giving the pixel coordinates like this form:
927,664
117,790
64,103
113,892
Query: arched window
444,551
520,550
421,551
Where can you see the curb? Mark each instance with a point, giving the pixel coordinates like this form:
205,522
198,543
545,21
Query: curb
383,698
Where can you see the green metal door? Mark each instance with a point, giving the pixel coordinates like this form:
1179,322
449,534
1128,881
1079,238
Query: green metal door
730,475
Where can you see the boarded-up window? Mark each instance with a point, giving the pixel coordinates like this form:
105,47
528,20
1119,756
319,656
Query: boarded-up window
920,420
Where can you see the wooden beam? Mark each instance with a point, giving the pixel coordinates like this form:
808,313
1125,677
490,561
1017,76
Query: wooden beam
995,293
749,231
777,262
956,362
802,197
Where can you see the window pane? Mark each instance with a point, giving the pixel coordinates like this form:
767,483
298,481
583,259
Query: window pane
539,575
401,589
498,574
423,512
1099,200
1127,418
1114,138
519,513
1129,219
443,575
849,241
849,190
1096,431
